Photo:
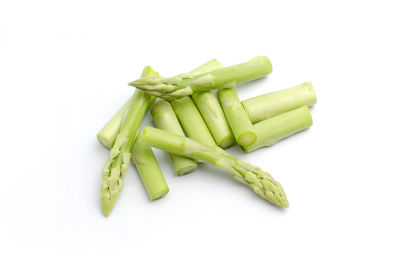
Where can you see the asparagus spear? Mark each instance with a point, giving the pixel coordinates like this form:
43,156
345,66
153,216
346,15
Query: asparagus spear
118,162
191,121
187,84
265,106
280,126
214,117
238,120
261,182
164,118
109,132
149,171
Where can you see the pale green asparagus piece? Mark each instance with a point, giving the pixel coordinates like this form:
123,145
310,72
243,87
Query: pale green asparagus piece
265,106
148,169
273,129
109,132
261,182
214,117
164,118
187,84
238,120
118,162
191,121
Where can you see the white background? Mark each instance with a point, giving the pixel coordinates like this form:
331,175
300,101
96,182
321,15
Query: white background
64,69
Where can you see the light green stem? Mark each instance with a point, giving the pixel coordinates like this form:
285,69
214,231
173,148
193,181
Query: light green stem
238,120
214,117
164,118
191,121
265,106
118,162
261,182
187,84
109,132
280,126
149,171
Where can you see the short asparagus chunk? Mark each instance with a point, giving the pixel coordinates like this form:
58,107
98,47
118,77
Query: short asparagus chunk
164,118
238,120
148,169
265,106
118,162
187,84
261,182
280,126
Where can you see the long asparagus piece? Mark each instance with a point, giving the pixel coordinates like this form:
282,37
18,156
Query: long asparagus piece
118,162
164,118
261,182
214,117
265,106
280,126
187,84
109,132
149,171
191,121
238,120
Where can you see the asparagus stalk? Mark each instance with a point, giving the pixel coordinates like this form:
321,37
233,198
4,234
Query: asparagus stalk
261,182
191,121
164,118
187,84
265,106
118,162
109,132
238,120
148,169
214,117
280,126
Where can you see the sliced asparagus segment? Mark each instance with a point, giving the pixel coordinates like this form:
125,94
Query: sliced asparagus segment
238,120
280,126
265,106
214,117
261,182
148,169
118,162
164,118
191,121
187,84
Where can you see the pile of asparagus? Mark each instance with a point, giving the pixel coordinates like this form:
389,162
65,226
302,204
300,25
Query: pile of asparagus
195,125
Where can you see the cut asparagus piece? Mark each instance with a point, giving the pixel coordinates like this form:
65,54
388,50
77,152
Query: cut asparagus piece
238,120
109,132
280,126
164,118
148,169
191,121
187,84
118,162
261,182
265,106
214,117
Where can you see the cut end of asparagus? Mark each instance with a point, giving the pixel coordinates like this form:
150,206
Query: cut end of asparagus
227,141
247,139
263,60
312,92
104,141
185,170
160,194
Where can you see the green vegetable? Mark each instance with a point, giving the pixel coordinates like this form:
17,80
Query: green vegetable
187,84
149,171
164,118
265,106
109,132
280,126
118,162
261,182
191,121
238,120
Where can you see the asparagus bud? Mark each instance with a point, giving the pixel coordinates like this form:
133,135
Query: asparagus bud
261,182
